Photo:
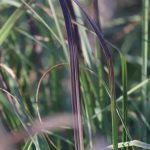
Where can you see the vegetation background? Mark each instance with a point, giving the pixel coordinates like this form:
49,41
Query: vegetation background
39,86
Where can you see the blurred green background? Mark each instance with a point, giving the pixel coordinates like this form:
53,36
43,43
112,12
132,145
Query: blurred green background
33,42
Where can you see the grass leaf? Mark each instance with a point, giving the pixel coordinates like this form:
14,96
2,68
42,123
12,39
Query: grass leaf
135,143
9,24
75,83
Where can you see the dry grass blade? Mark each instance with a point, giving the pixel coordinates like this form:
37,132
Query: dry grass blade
134,143
40,82
8,70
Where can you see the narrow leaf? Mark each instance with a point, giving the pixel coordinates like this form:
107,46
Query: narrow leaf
7,27
75,83
124,102
135,143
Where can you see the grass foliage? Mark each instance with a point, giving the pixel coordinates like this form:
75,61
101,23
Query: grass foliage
68,82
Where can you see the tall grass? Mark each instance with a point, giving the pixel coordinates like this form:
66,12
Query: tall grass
124,103
75,83
67,82
145,10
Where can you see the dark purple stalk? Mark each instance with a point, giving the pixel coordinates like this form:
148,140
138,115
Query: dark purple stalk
75,84
96,13
73,16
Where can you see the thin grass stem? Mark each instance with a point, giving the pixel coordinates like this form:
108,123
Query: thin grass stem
145,9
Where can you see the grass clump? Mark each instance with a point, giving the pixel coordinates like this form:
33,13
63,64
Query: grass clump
69,81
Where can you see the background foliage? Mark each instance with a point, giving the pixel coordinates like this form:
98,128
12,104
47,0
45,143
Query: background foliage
35,74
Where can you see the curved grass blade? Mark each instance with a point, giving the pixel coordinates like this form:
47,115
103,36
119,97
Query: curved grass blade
39,85
75,83
111,75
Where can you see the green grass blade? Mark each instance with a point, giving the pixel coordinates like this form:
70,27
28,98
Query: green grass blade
68,141
29,36
9,24
124,125
111,75
131,91
124,102
135,88
39,18
27,145
87,103
145,4
10,2
86,48
141,116
58,28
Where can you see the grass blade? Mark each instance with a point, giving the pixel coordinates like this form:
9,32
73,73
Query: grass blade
39,18
111,75
85,44
144,56
7,27
39,85
58,28
124,102
135,143
75,83
10,2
